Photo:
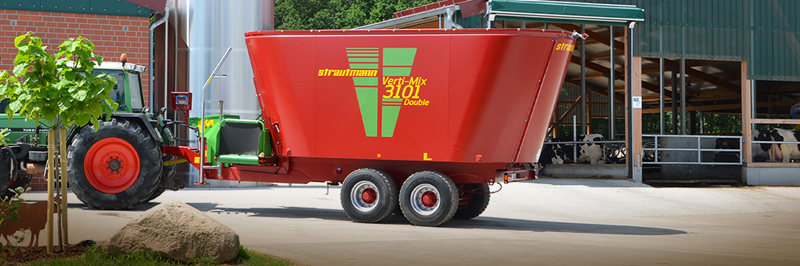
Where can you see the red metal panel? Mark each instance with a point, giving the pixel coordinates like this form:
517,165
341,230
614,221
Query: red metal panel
464,95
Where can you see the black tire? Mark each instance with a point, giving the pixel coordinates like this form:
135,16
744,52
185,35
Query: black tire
114,152
167,174
473,199
368,195
5,174
428,198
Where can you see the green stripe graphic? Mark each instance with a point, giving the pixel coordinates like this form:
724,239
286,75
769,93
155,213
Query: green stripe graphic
390,114
396,71
364,66
365,81
363,59
367,102
399,56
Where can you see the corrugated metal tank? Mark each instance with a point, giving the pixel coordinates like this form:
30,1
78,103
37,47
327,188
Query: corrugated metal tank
208,28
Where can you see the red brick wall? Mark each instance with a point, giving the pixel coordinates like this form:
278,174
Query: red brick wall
38,183
105,31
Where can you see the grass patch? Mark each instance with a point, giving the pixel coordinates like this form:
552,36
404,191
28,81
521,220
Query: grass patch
95,257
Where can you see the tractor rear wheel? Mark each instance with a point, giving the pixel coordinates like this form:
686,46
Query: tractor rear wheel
117,167
368,195
167,176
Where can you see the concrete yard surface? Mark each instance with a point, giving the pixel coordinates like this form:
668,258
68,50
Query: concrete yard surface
541,222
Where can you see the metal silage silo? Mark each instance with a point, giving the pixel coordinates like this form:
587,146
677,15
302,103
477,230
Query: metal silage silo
206,29
209,27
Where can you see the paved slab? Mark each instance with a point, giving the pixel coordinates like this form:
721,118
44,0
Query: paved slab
544,222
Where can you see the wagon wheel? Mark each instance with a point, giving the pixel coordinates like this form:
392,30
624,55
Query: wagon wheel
117,167
428,198
368,195
472,200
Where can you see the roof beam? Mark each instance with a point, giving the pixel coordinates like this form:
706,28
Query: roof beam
604,39
596,67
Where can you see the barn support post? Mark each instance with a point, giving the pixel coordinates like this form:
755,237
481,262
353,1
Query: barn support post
661,123
583,81
674,102
611,87
683,96
747,114
633,90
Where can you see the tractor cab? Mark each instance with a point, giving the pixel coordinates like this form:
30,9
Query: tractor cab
128,90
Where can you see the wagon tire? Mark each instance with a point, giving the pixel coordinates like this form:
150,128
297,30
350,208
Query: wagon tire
117,167
473,199
428,198
369,195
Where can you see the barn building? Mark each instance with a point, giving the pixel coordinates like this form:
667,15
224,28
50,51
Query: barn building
696,72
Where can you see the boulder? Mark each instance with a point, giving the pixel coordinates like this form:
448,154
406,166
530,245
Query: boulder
176,231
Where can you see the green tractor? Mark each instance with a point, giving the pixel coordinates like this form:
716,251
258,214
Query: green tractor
118,167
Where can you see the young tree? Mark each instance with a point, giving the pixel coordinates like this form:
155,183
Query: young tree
57,91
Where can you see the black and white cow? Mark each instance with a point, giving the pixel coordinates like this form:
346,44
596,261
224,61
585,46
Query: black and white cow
786,151
760,151
588,150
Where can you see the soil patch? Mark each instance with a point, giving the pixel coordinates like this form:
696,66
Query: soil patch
28,254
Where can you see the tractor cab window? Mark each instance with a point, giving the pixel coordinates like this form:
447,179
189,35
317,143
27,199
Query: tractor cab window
118,92
135,88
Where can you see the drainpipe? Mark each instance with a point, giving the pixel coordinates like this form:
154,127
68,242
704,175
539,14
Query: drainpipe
153,52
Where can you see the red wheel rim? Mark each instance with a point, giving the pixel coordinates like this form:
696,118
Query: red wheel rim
369,195
111,165
429,199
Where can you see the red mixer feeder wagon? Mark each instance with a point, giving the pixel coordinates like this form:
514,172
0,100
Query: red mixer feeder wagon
418,122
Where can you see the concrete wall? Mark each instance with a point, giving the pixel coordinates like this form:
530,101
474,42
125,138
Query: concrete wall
757,176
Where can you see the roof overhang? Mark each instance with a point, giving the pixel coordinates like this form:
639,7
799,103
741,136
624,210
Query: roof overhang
565,12
519,10
411,20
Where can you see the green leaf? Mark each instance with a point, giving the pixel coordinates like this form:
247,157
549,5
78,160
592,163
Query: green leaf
19,39
21,69
15,106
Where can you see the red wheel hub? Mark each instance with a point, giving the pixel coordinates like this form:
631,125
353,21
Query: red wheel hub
429,199
369,196
111,165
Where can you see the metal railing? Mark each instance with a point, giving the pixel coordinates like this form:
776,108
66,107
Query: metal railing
658,150
610,147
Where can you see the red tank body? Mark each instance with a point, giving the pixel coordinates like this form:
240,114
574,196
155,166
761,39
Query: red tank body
472,98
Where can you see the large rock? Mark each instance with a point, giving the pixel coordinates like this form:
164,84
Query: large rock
177,231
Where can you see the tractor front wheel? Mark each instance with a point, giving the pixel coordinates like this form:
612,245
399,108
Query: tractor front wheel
117,167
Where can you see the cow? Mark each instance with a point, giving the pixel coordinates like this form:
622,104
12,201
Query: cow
785,151
31,217
588,150
760,151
